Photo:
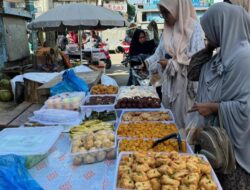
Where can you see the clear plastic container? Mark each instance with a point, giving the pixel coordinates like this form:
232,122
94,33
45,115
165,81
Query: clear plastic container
87,99
141,91
169,112
86,151
138,97
29,141
156,125
55,116
96,113
184,145
104,86
131,153
67,101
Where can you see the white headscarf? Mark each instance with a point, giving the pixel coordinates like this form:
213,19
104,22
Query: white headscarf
177,38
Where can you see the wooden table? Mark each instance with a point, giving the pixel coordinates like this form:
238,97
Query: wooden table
19,115
92,78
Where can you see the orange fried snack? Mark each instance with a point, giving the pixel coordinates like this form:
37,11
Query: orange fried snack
128,145
103,89
146,129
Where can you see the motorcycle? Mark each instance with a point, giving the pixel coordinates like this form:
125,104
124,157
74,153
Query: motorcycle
138,74
124,49
104,49
99,53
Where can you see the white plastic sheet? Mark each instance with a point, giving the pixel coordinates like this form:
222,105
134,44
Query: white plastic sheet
106,80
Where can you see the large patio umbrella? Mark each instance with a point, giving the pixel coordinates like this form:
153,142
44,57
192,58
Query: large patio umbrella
78,16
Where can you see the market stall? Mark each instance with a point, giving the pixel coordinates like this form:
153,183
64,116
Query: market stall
113,138
80,16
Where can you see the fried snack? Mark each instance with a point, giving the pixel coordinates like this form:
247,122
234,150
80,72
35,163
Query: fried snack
143,185
103,89
166,180
155,184
180,174
127,183
146,116
141,167
139,177
128,145
207,183
191,179
188,187
169,187
153,173
166,169
146,130
170,171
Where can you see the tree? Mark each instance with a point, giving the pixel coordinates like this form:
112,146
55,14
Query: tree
131,12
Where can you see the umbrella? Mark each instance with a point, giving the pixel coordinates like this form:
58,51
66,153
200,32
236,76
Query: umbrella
78,16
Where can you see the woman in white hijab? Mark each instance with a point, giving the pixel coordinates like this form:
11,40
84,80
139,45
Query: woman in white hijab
182,37
224,85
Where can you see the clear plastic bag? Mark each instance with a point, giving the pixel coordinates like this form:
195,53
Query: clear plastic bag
14,175
194,124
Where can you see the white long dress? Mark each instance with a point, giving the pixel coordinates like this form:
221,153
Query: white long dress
177,92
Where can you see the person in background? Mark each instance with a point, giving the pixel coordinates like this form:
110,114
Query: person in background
130,33
96,39
181,38
73,37
244,3
85,39
153,32
139,45
224,86
62,42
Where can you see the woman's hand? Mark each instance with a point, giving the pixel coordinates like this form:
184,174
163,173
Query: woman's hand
163,63
205,109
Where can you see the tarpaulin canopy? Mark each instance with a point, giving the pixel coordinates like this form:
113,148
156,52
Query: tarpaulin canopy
78,16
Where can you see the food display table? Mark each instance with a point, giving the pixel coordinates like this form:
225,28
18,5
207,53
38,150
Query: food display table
57,172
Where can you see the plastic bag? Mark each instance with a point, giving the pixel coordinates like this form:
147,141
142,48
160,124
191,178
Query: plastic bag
106,80
70,83
192,126
14,175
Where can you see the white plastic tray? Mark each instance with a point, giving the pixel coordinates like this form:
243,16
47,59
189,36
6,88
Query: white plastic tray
147,110
66,105
66,126
86,112
83,106
28,141
56,116
121,137
124,88
140,88
189,149
128,153
73,155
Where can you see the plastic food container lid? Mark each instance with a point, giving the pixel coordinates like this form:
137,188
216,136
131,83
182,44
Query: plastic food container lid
28,141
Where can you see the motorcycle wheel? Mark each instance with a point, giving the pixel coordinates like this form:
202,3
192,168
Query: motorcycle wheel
108,63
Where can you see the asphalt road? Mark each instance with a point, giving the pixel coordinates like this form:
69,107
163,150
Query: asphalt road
118,71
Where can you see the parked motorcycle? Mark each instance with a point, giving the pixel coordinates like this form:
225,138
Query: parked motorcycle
138,74
105,50
99,53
